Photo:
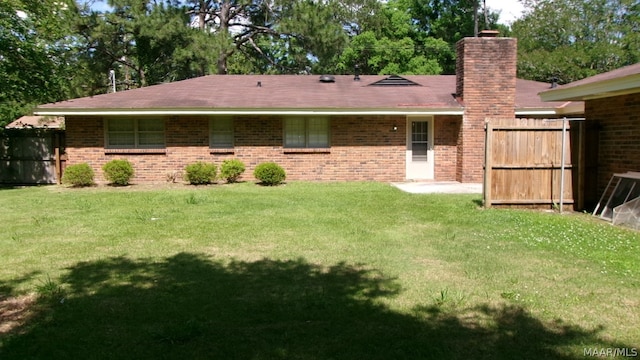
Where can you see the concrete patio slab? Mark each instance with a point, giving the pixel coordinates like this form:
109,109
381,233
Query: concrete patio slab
439,187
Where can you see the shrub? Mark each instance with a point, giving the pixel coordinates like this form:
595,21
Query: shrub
269,173
199,173
173,176
231,170
118,172
78,175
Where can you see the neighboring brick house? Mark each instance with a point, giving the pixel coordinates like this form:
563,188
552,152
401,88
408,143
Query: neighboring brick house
346,127
612,131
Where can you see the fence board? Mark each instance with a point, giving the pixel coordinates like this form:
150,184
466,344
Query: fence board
523,162
31,157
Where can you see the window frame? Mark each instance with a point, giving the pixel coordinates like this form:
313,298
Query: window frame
307,129
230,132
136,134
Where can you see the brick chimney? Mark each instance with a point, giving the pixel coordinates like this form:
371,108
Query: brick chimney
486,85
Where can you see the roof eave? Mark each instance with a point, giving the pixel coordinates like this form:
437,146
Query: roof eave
596,90
175,112
567,108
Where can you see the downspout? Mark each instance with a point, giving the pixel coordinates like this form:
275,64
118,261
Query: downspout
562,165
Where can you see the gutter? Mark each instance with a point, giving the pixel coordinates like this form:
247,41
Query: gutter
604,88
172,112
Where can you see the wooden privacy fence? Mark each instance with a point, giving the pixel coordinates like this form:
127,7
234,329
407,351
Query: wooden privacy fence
531,162
31,156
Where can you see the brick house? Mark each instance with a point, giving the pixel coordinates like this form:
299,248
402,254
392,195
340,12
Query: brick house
345,127
612,131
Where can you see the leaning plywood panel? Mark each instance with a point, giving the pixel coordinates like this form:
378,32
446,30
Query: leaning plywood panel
628,214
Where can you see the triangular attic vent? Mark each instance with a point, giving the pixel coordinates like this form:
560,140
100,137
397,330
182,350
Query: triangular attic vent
394,80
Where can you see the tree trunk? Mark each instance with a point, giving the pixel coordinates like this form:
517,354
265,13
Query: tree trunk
475,18
223,55
486,15
202,14
143,77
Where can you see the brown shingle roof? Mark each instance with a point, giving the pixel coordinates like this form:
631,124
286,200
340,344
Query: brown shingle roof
292,92
614,74
622,81
527,95
37,122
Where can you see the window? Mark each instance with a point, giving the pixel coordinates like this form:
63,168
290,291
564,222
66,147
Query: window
221,133
310,132
135,133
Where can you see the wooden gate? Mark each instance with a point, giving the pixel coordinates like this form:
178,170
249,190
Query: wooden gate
532,162
31,156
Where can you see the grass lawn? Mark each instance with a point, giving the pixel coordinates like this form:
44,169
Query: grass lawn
307,271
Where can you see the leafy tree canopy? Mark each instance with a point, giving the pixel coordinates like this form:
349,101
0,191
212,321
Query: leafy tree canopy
34,53
52,50
572,39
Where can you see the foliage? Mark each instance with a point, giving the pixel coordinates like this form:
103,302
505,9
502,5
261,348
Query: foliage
269,173
200,173
574,39
54,50
118,171
416,37
143,43
173,176
49,291
35,55
444,22
450,20
389,56
279,36
78,175
231,170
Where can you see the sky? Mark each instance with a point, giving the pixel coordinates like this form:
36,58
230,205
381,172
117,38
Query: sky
509,9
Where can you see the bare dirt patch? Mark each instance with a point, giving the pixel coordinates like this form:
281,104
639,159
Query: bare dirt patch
15,312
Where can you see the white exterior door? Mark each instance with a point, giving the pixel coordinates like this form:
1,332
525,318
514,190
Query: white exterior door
420,149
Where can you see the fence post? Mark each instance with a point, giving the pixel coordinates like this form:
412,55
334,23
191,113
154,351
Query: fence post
562,167
581,164
488,153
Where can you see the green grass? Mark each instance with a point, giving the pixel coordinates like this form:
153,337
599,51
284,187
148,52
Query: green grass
307,271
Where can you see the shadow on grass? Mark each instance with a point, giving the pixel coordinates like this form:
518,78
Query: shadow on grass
190,307
8,186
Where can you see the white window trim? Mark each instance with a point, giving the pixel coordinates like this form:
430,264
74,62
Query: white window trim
136,133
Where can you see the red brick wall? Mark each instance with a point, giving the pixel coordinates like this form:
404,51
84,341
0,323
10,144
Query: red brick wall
362,148
486,83
619,133
445,138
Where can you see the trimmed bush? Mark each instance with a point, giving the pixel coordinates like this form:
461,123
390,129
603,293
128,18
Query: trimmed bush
200,173
78,175
231,170
269,173
118,172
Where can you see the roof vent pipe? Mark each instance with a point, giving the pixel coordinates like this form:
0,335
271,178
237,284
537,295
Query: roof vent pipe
356,71
112,79
327,79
